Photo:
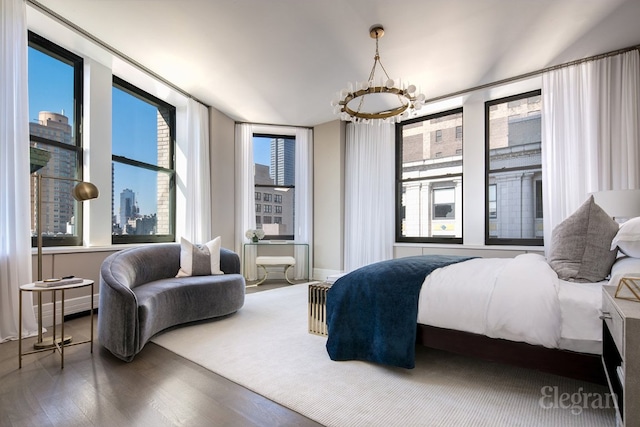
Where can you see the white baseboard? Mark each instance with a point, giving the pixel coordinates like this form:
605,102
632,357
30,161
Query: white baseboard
323,273
71,306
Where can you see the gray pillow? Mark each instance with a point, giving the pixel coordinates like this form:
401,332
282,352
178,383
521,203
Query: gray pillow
581,245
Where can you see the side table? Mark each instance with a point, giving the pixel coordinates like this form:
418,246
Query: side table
318,308
57,343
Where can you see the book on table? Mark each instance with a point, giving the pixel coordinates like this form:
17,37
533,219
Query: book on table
49,283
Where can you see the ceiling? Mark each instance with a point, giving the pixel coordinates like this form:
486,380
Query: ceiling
282,61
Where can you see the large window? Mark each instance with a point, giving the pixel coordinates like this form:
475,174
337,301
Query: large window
55,106
429,179
274,159
143,135
514,172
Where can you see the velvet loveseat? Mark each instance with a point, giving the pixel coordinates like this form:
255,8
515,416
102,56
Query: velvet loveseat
140,295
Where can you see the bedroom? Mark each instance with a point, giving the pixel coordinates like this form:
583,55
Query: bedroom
591,35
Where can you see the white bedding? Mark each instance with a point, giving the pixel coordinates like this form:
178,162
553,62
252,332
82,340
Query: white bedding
518,299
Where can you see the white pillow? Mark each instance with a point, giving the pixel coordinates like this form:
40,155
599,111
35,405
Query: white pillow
199,260
626,266
628,238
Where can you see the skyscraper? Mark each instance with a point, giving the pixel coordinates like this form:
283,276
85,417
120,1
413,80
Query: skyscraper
283,161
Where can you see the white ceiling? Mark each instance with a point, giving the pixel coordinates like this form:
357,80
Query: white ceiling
281,61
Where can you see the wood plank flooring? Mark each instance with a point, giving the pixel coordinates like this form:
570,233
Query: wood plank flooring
158,388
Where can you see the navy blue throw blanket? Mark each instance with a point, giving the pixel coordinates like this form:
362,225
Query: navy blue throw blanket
372,312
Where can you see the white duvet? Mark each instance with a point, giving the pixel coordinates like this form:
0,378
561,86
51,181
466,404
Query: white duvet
512,298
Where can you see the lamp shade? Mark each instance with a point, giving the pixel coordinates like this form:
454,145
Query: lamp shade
619,203
85,191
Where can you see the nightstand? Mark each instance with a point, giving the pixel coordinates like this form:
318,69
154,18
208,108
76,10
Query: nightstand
621,354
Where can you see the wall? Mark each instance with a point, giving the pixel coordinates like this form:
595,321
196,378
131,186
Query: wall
328,203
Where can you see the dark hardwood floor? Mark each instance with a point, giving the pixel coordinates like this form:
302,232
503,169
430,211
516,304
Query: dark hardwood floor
158,388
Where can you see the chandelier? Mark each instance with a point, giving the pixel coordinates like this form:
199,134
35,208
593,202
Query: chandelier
380,99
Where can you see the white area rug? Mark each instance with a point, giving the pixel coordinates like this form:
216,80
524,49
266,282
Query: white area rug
265,347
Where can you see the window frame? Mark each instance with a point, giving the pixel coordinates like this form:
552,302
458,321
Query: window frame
399,238
117,239
488,239
47,47
284,187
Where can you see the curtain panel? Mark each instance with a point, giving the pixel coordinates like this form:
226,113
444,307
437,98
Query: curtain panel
245,202
15,234
198,175
589,133
369,194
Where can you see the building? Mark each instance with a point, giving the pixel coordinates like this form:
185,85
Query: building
57,200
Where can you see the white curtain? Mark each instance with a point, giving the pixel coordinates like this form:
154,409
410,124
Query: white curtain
15,235
369,194
303,202
198,176
589,133
245,202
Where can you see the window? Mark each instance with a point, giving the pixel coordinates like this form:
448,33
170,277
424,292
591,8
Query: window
143,134
258,195
458,132
55,112
274,159
258,207
429,181
493,201
444,203
514,171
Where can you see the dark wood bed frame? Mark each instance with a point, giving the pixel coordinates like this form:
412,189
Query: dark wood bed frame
581,366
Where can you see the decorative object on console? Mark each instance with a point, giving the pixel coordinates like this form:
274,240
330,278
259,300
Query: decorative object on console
629,289
254,235
580,245
373,100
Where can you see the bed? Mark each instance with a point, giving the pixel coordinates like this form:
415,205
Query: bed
529,310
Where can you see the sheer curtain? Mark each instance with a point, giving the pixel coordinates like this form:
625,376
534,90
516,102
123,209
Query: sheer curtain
589,133
198,175
15,238
303,201
245,202
369,194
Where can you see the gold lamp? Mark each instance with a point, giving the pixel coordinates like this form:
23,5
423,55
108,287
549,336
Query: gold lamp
81,192
382,99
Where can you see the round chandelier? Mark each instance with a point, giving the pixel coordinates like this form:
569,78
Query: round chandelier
377,99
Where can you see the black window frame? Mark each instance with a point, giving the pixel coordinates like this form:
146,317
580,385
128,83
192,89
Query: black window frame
47,47
399,213
488,239
117,239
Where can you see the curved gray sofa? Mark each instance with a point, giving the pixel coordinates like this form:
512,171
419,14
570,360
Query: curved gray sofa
140,295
